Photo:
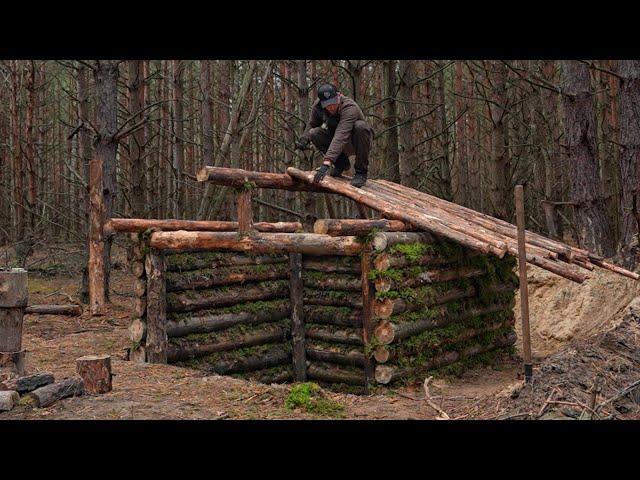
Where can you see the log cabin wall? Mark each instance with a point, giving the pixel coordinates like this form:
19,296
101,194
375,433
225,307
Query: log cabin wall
432,307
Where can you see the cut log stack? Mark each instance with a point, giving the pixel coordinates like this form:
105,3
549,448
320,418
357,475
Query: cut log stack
37,390
138,329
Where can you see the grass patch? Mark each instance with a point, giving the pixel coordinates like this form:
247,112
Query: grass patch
310,398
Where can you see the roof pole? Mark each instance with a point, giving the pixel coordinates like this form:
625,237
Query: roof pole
524,288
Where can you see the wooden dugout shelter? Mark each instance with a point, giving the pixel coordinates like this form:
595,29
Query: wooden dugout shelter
429,285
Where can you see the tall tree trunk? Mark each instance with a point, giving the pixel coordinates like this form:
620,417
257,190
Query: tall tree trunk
136,140
407,159
591,220
207,112
629,127
18,182
106,145
459,172
391,159
29,148
178,142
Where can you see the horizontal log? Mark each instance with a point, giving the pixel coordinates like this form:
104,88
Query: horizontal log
182,262
49,394
202,279
272,358
70,310
385,284
385,353
140,287
386,374
332,298
341,282
235,177
385,260
8,400
334,375
139,225
387,332
27,384
177,352
214,322
614,268
329,264
140,306
332,316
137,330
329,336
202,299
352,358
383,240
269,376
340,227
386,308
137,268
305,243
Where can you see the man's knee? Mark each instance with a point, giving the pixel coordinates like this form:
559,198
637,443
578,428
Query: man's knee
362,129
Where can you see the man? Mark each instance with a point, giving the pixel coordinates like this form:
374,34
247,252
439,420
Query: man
338,129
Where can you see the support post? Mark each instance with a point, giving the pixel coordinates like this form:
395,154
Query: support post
524,288
368,296
245,213
96,243
297,318
13,301
156,344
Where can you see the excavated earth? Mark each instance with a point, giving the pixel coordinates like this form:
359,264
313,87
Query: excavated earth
586,342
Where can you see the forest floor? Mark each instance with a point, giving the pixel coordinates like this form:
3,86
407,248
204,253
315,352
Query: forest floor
582,335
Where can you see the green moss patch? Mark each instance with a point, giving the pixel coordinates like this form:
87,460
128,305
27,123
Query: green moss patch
312,399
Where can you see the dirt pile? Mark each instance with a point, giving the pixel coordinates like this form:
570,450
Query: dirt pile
562,311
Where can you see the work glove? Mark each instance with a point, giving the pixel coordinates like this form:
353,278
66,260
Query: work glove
302,144
320,173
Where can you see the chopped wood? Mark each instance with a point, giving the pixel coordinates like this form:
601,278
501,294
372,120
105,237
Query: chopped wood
49,394
8,400
27,384
139,225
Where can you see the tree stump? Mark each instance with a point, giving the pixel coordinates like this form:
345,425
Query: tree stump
95,371
13,300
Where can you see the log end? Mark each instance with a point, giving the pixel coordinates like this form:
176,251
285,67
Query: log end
384,374
320,226
379,242
382,262
382,284
202,175
384,333
383,308
381,354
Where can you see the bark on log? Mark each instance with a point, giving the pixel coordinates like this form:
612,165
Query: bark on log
211,323
270,359
387,332
383,353
202,299
244,211
331,316
45,396
386,374
70,310
334,375
383,240
417,217
27,384
179,352
182,262
224,276
139,225
384,284
13,288
95,263
353,358
340,336
12,364
332,299
385,261
11,329
615,268
341,227
8,400
339,282
297,318
140,287
95,371
342,264
386,308
368,299
156,344
138,355
306,243
235,177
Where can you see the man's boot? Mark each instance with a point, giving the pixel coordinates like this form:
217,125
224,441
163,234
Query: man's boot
359,179
341,165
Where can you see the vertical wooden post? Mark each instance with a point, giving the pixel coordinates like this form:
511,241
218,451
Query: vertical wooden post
96,244
297,318
331,211
524,288
13,300
367,315
156,343
245,212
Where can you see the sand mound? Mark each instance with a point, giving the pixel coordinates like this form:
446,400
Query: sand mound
562,311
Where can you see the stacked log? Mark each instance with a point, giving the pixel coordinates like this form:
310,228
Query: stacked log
138,327
228,313
334,322
436,306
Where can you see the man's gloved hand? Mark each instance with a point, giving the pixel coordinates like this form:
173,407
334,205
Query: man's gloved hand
301,144
321,172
